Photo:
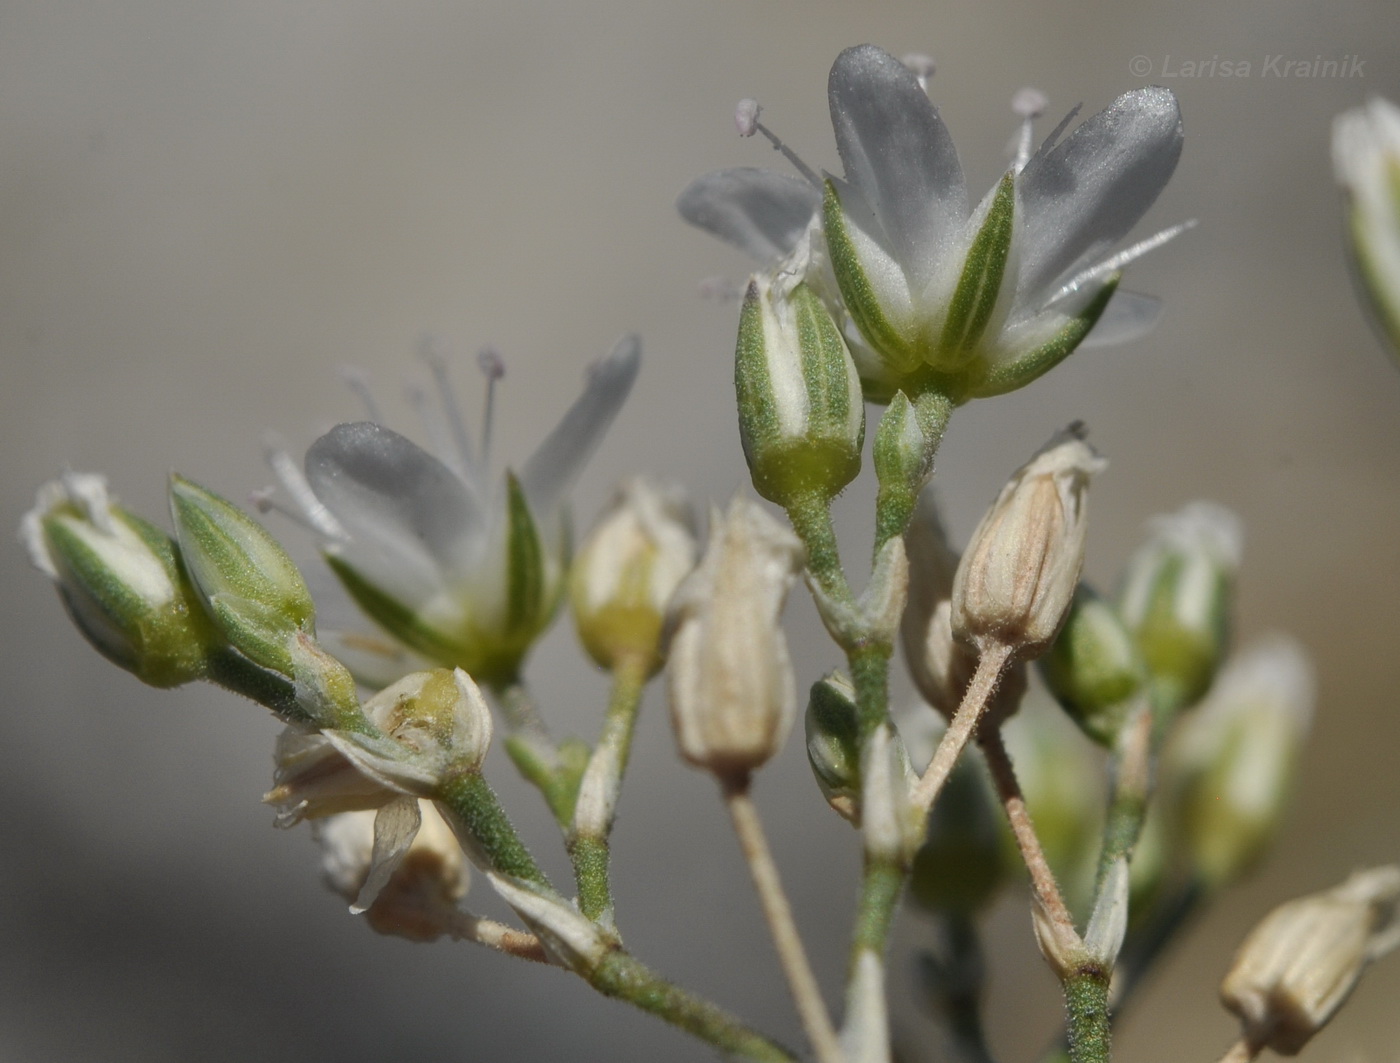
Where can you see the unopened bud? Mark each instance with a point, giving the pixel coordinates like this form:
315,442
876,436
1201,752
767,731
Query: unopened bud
1094,668
1236,757
901,453
121,580
832,743
801,414
250,586
731,682
1298,966
1366,158
627,571
942,666
1018,576
1176,599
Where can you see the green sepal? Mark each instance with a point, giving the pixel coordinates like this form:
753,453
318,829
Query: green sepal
261,597
1000,379
975,297
398,619
858,293
526,583
165,644
818,450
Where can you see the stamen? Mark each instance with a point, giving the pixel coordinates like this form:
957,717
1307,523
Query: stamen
314,514
430,350
1049,142
430,417
493,366
746,121
921,66
1114,263
1029,104
357,380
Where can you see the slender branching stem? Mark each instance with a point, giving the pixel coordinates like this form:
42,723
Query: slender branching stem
994,660
806,994
1046,889
1131,773
811,520
596,806
498,936
1087,1019
1242,1051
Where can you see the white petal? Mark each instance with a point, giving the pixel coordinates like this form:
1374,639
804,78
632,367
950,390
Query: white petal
897,152
760,212
411,521
395,827
1085,193
560,458
1127,316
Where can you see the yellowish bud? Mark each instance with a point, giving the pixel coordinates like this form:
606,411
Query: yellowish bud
627,571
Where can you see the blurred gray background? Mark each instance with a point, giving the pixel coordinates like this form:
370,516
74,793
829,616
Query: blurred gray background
206,208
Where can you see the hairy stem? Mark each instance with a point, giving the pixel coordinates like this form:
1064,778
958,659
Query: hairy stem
596,806
1087,1019
979,693
806,994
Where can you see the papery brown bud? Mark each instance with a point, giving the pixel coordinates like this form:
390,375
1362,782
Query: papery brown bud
1017,578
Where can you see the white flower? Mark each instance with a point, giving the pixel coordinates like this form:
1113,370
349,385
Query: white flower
463,571
971,301
1366,156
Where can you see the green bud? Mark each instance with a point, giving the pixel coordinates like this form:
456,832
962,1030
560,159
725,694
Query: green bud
1176,599
1233,761
1094,668
962,863
801,415
833,743
249,585
122,581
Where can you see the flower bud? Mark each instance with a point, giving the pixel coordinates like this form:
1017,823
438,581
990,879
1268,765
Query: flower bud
1236,757
1015,582
1094,668
1299,965
1176,599
801,415
121,580
832,743
627,571
962,863
901,453
1366,157
731,682
250,586
942,666
419,900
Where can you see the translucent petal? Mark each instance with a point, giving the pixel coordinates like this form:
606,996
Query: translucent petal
1127,316
411,520
760,212
395,827
559,459
897,152
1085,193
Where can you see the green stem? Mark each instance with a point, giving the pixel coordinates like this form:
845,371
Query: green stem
1086,1015
623,977
472,806
595,807
1130,770
880,889
810,515
232,671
